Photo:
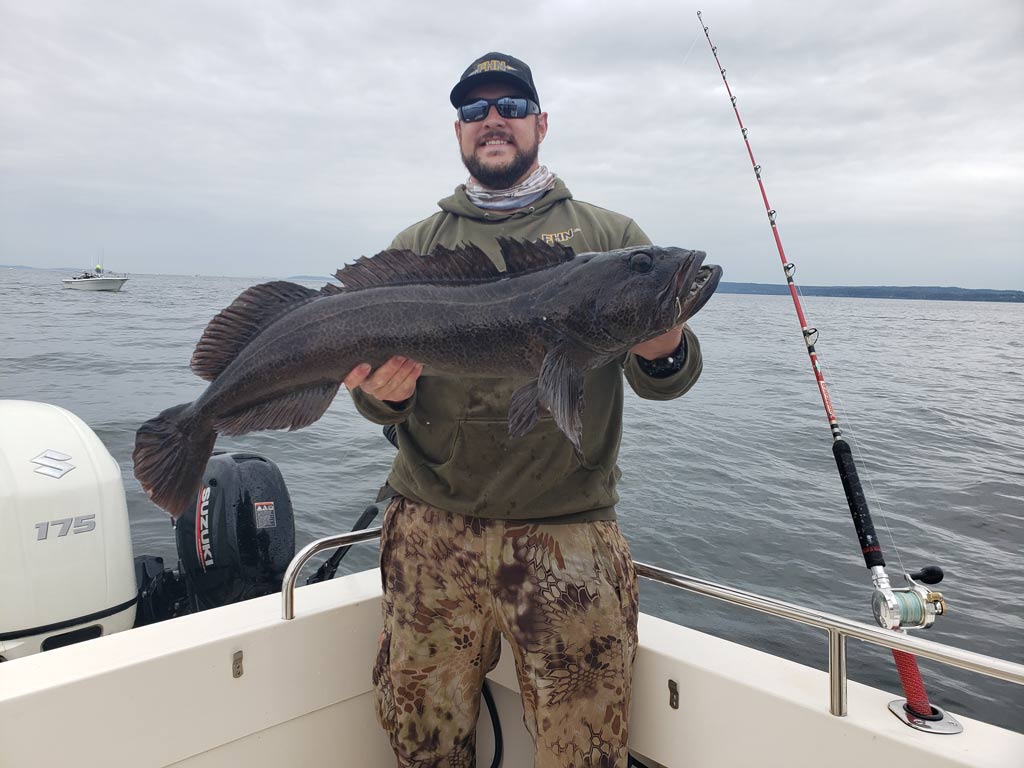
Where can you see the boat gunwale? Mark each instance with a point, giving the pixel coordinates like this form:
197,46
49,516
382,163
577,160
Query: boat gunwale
838,627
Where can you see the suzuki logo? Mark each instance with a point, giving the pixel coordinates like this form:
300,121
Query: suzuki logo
204,549
53,463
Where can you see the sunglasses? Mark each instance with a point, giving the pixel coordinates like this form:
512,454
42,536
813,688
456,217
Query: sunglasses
509,107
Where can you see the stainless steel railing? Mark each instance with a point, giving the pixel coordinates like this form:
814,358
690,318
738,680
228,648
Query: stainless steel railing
291,573
838,628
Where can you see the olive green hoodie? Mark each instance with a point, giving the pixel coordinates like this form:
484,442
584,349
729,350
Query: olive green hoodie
455,452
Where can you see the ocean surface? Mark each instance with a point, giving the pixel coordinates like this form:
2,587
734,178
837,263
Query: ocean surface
734,482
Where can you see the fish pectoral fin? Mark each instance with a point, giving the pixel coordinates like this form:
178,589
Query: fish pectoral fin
293,410
523,410
560,388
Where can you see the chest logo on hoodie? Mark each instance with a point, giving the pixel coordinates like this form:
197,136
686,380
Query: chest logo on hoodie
561,237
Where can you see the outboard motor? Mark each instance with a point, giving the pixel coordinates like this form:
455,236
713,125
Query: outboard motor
237,539
66,570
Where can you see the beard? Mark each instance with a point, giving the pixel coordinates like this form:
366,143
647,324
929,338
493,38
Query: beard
502,176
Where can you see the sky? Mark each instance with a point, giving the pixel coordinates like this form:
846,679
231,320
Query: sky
272,138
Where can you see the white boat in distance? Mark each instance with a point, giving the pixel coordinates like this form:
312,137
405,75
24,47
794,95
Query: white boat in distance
95,280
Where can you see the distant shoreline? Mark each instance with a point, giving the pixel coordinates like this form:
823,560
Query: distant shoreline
925,293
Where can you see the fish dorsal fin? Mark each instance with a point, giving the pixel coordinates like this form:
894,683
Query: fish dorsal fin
238,324
523,256
463,264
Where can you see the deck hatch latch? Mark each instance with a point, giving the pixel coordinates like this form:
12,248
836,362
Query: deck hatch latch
673,694
236,665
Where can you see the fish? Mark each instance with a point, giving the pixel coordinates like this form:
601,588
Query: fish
276,357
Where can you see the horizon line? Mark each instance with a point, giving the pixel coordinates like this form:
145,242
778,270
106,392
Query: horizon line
735,283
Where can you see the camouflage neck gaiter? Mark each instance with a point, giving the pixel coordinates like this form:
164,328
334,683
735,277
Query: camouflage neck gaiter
519,196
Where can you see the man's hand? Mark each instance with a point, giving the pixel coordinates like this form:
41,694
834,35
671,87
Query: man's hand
660,346
392,382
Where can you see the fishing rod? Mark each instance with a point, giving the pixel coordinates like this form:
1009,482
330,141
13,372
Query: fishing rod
901,608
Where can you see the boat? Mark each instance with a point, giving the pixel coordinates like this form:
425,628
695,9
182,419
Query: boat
203,667
96,280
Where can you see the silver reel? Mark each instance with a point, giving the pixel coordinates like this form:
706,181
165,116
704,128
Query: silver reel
911,607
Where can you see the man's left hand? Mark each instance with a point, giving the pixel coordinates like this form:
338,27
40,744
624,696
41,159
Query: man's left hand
660,346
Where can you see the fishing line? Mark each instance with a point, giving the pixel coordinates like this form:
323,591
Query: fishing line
913,607
851,431
692,44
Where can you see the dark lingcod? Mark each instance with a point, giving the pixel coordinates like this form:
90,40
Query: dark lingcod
276,357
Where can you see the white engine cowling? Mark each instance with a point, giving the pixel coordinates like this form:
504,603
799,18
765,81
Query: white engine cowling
66,565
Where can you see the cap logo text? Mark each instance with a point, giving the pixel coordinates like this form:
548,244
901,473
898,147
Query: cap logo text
494,65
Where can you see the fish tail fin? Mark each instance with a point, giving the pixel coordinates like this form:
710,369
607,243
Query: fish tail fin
170,457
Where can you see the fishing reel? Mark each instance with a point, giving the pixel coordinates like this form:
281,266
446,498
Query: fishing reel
911,607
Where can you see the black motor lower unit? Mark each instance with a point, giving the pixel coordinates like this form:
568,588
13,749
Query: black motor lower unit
239,535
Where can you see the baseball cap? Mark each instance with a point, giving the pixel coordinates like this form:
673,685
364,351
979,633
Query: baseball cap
494,67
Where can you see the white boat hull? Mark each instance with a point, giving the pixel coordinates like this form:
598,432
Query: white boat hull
95,283
305,698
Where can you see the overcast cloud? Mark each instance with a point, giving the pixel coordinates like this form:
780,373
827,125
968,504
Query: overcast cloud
268,138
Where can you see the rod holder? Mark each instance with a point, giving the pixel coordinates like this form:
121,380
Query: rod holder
944,724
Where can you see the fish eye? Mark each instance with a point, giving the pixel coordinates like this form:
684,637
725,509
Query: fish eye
641,261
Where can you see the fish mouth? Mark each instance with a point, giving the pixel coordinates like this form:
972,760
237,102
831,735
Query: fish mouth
692,285
698,292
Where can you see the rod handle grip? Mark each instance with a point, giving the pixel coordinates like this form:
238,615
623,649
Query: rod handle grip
869,545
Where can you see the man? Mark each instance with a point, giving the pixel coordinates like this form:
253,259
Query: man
490,535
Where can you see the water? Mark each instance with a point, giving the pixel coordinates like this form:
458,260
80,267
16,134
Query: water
734,482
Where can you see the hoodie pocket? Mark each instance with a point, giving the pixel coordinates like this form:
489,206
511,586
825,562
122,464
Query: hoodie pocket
487,465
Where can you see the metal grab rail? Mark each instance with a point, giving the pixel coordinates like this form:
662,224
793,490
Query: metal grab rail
291,573
838,630
837,627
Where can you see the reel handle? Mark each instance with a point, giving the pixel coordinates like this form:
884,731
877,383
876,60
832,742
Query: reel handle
929,574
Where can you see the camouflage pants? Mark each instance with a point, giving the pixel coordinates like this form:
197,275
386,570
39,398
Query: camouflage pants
563,595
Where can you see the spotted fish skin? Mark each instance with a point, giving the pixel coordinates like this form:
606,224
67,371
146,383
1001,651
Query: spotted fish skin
276,357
